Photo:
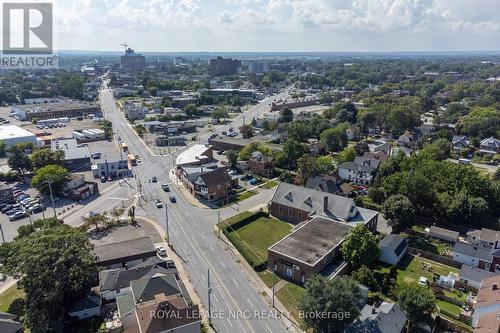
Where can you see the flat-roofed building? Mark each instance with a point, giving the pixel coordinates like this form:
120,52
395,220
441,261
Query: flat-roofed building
70,109
126,253
12,135
76,156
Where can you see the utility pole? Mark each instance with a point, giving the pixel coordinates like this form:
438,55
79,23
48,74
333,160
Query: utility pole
273,293
52,197
166,219
209,289
1,232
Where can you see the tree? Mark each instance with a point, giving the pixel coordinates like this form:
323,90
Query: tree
140,130
95,220
286,115
339,296
307,167
56,266
346,155
361,148
292,151
360,247
55,174
298,131
191,110
45,156
19,160
117,212
335,138
367,277
438,150
3,149
107,127
131,214
399,212
416,300
219,113
246,131
466,209
232,158
325,165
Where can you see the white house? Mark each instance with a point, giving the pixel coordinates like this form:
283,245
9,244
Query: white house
361,174
472,255
472,276
392,249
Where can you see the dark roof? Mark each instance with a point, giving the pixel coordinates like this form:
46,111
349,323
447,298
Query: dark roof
472,250
145,289
313,240
474,273
257,156
357,167
113,279
387,318
394,243
323,183
87,302
215,177
10,326
124,249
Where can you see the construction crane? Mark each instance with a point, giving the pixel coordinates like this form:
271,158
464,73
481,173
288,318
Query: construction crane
124,44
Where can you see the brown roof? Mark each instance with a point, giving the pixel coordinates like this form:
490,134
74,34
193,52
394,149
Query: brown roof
488,323
170,312
489,291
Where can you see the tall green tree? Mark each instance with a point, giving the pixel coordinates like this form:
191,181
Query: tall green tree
45,156
232,158
56,265
55,174
323,296
416,300
399,212
19,160
360,247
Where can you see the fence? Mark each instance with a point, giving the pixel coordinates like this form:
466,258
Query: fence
434,257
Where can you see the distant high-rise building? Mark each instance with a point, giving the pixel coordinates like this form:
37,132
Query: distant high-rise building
259,67
223,67
133,61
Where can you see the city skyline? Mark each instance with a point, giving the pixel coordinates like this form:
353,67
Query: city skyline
278,25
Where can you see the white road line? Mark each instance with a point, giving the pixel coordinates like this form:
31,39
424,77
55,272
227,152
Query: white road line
204,278
235,282
268,329
250,303
229,321
216,300
222,264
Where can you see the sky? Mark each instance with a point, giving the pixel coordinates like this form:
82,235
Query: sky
278,25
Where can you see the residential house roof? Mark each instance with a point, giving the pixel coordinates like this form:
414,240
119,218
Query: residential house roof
443,233
405,150
367,159
325,204
8,323
394,243
145,289
215,177
460,140
313,240
488,323
125,303
87,302
489,291
490,143
485,234
472,250
323,183
474,274
123,249
257,156
387,318
384,147
357,167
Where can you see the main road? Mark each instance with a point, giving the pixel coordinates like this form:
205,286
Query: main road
236,305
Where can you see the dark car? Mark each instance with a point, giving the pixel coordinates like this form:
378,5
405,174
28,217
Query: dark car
172,199
103,179
154,179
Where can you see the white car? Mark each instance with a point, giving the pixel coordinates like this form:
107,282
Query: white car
232,172
161,251
159,204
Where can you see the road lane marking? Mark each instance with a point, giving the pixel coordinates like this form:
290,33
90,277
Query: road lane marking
235,282
250,303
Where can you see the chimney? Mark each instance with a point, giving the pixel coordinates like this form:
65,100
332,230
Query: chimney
325,204
495,286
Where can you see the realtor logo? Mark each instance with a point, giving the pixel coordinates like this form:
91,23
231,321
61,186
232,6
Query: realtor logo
27,28
27,35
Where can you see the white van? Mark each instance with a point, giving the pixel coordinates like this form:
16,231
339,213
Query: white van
464,161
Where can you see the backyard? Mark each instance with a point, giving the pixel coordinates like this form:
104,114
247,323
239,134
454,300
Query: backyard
12,301
418,239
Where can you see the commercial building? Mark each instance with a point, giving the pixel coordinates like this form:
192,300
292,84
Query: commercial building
77,188
132,61
258,67
70,109
12,135
125,253
195,155
76,156
134,111
111,163
207,181
224,67
6,193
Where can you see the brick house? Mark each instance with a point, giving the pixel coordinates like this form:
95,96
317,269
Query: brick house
327,218
207,182
77,188
261,165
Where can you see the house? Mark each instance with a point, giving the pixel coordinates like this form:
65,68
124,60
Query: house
207,182
352,132
112,163
134,111
446,235
392,249
401,150
329,184
484,237
77,188
297,204
406,140
459,142
9,323
317,149
472,255
385,147
489,146
6,193
487,299
126,253
260,164
88,307
360,174
76,156
158,303
471,277
115,282
386,318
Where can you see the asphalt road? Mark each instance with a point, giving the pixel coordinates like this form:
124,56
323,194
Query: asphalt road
235,302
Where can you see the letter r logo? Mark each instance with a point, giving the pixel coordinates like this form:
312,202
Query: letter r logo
27,28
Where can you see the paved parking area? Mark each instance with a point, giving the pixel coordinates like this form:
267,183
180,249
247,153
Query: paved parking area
126,232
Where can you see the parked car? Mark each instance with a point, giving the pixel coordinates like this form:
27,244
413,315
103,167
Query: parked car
17,215
159,204
232,172
165,187
110,178
154,179
96,155
172,199
253,181
103,179
7,208
161,251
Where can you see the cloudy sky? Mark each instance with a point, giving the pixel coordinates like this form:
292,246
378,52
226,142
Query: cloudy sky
279,25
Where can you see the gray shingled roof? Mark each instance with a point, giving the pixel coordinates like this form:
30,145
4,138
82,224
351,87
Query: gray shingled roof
472,250
323,183
387,318
125,248
394,243
474,273
356,167
146,289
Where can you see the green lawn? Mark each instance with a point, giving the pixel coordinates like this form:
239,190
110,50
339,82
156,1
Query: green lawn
268,277
290,295
12,300
270,184
449,309
419,239
237,198
255,237
412,270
